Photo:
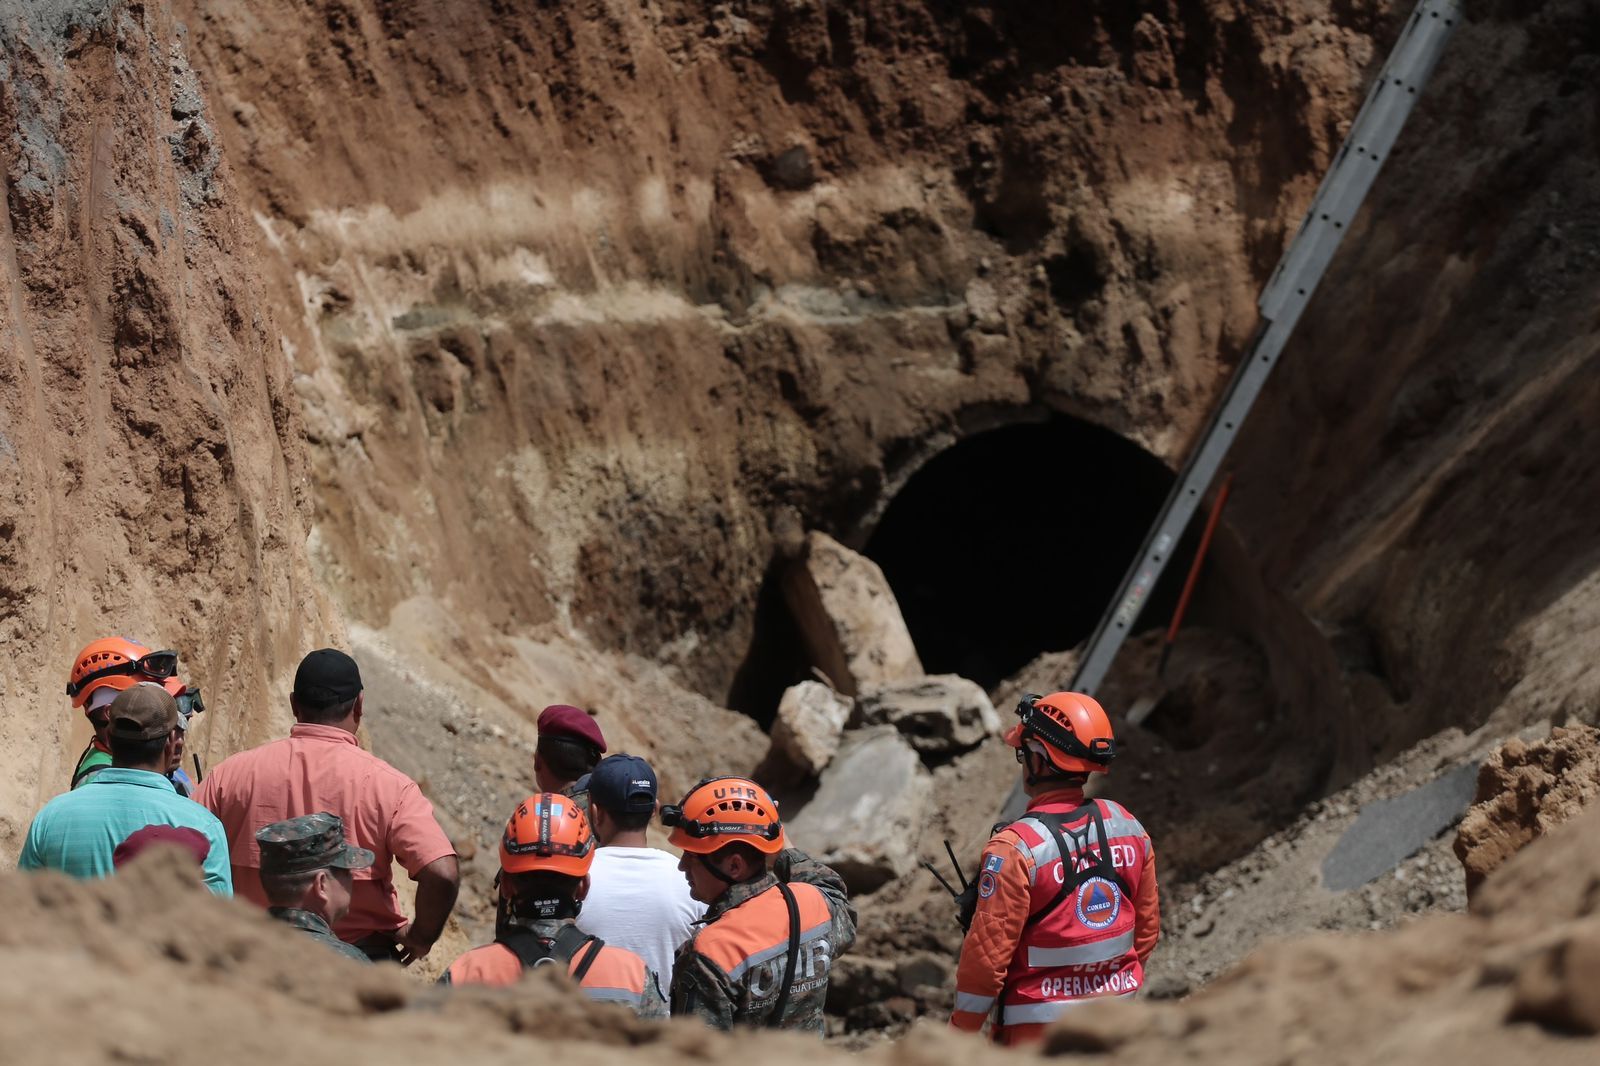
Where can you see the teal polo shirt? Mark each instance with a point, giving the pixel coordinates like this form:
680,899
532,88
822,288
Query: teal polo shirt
76,832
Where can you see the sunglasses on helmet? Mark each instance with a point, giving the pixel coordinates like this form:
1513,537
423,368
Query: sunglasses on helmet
158,665
1099,750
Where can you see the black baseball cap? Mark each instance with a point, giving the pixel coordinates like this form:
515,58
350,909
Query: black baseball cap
327,676
624,784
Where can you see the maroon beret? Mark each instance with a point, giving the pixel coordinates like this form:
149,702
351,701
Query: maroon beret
562,720
191,840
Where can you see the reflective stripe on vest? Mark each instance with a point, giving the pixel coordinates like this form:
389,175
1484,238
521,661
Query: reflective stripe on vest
1118,824
1083,954
1043,1013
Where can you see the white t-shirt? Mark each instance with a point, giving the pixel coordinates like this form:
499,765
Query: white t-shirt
638,899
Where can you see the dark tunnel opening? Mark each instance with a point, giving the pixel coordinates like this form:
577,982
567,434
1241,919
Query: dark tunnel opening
1005,546
1011,543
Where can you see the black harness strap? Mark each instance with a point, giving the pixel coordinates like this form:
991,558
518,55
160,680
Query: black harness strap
775,1019
582,969
1071,877
533,950
79,775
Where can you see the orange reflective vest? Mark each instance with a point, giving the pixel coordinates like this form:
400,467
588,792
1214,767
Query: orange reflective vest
1053,930
614,975
731,971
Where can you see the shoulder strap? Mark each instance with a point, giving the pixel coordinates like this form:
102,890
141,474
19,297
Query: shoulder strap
775,1019
80,773
1103,865
580,971
1071,877
533,951
1068,883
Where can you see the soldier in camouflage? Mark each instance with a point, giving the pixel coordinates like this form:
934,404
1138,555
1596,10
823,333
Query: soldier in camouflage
306,872
776,919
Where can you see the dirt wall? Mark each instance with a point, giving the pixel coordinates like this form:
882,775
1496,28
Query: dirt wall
152,463
1415,471
612,296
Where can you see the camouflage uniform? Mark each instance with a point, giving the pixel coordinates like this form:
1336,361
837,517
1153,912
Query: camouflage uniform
305,845
318,929
745,992
578,793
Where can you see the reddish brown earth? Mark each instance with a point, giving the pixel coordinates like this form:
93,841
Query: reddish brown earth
1524,791
518,342
152,453
614,296
1512,981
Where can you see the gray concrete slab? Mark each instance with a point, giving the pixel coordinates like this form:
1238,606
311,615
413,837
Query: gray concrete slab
1387,832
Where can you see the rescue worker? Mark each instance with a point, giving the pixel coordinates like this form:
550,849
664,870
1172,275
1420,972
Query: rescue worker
545,857
79,832
776,919
306,873
570,745
1066,901
108,666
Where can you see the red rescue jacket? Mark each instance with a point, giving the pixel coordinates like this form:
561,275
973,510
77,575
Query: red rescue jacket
1035,952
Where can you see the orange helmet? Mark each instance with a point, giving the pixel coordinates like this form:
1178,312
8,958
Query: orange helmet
1069,729
547,832
117,663
724,810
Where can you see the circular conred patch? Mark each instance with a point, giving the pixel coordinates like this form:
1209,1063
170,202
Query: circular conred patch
986,885
1099,903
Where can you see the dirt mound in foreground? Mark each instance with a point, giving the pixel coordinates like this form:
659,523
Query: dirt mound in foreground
1451,988
1524,791
1513,982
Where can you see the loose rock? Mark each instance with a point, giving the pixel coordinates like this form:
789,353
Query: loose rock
867,816
1524,791
848,617
940,714
811,717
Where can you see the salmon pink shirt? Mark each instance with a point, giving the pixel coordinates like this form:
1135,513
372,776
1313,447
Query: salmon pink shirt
323,768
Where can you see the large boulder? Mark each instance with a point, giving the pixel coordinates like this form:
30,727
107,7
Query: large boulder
939,715
866,818
848,617
805,734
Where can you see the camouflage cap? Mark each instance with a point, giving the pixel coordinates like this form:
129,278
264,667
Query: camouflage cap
309,842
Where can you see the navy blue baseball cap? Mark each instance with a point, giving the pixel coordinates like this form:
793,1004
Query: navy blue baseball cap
624,784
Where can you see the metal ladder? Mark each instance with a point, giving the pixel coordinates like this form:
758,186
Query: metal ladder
1377,125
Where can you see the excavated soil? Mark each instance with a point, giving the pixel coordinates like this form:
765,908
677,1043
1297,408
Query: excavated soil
517,345
1524,791
1514,980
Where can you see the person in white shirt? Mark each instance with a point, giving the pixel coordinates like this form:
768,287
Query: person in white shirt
637,898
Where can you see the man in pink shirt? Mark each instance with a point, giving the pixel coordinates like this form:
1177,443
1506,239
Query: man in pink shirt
321,767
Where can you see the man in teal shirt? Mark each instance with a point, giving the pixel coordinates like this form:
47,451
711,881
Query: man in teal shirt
78,833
